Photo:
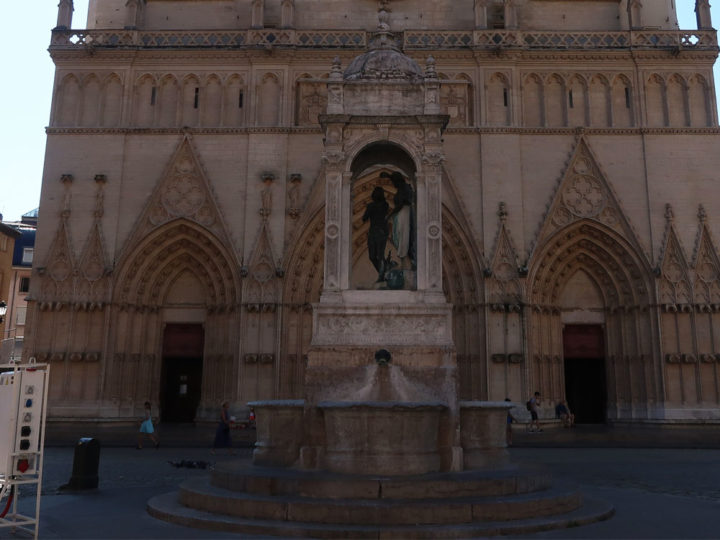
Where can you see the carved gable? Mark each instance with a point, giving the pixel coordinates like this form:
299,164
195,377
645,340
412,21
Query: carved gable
505,283
675,285
183,192
584,193
707,267
261,287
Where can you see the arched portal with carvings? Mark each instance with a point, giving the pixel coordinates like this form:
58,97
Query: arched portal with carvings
179,274
588,274
462,285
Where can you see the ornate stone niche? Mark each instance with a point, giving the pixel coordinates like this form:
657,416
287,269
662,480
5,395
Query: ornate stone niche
383,118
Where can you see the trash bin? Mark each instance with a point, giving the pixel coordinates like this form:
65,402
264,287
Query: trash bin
85,464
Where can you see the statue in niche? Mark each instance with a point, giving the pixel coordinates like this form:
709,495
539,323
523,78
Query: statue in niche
403,220
377,212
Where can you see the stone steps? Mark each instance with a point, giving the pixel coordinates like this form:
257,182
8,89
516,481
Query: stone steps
201,495
247,478
167,507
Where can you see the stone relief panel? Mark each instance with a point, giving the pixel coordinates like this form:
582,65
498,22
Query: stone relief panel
311,101
456,99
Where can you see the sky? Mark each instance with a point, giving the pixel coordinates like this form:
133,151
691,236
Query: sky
26,102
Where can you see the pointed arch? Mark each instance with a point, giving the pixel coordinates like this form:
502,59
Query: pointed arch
211,101
677,97
656,101
599,97
498,100
675,283
233,111
622,102
578,106
587,230
555,101
168,98
69,99
533,101
699,101
191,100
706,269
268,100
145,100
112,101
89,112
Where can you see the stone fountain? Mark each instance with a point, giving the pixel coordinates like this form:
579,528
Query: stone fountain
380,446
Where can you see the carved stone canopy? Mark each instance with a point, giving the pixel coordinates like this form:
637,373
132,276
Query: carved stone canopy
384,59
384,64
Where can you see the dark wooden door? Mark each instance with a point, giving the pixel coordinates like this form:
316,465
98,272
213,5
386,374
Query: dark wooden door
182,371
585,379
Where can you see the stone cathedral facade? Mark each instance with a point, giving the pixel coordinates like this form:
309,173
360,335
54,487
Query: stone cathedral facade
186,209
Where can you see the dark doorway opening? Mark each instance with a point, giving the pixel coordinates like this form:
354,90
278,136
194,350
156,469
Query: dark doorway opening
182,371
585,379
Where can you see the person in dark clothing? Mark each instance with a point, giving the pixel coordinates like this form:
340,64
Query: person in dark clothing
377,212
563,413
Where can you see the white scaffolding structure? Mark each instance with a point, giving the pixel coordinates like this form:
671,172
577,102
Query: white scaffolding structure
23,407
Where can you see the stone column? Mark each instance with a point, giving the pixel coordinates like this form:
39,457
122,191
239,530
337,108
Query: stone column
258,14
481,15
287,14
334,159
65,13
335,215
702,13
429,218
134,10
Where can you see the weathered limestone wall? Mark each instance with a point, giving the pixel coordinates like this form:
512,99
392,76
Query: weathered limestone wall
188,186
558,15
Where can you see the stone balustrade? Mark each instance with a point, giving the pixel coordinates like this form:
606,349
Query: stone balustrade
411,39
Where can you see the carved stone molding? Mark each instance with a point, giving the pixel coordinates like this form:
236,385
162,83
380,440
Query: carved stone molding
372,326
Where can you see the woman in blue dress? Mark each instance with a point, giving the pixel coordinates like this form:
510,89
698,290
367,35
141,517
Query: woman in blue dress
146,428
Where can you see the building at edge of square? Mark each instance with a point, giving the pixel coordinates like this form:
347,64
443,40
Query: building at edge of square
181,237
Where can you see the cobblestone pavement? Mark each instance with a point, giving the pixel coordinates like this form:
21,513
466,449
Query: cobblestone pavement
657,493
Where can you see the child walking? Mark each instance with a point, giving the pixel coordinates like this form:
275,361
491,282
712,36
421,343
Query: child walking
146,428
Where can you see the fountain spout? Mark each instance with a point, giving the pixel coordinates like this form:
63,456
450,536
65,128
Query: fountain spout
383,357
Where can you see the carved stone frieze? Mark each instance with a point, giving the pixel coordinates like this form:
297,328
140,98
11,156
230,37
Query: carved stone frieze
372,326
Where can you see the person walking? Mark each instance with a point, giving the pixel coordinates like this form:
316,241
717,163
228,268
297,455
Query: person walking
147,429
533,406
222,433
508,424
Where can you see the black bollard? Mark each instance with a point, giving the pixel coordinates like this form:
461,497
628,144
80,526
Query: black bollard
85,465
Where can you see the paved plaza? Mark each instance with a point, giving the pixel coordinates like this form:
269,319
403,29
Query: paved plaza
657,492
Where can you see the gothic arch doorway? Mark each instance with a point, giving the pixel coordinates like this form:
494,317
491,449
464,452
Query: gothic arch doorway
183,278
586,274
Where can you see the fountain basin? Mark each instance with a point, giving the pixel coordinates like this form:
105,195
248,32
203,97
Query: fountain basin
279,431
382,437
482,433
